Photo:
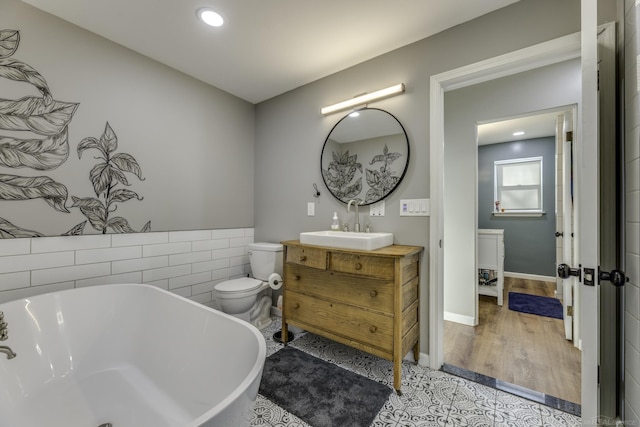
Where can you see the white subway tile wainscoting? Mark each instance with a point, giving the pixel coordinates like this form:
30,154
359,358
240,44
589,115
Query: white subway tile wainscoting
188,263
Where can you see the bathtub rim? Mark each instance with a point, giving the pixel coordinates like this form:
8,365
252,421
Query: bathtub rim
252,375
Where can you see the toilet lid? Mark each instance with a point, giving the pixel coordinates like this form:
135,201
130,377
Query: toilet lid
238,285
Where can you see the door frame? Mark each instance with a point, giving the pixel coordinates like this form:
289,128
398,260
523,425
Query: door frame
547,53
540,55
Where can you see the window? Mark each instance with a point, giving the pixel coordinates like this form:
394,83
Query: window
518,185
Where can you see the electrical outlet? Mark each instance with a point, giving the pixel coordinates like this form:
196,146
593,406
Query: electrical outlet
311,209
377,209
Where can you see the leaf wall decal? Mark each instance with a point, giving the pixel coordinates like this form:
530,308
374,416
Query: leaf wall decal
93,209
100,177
38,154
14,69
109,140
118,175
77,230
146,228
10,231
120,225
14,187
9,41
32,114
105,177
127,163
122,195
88,143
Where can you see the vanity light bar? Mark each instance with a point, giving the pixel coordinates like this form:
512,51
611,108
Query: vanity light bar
363,99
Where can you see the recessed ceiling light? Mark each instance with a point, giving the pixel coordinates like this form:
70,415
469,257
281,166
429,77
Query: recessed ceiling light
519,133
210,17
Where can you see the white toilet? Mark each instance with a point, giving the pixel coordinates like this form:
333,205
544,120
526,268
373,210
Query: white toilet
249,298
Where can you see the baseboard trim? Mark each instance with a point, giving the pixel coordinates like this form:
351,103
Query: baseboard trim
530,276
459,318
423,359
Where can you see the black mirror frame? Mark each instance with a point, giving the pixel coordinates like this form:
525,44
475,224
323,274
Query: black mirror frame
390,191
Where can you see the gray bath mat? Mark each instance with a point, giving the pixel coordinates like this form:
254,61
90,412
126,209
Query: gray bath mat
321,393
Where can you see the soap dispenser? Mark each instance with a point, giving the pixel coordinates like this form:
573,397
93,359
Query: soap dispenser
335,225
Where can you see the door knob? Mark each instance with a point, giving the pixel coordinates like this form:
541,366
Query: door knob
559,234
616,277
564,272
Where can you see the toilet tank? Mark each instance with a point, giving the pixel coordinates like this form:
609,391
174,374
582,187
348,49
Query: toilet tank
265,259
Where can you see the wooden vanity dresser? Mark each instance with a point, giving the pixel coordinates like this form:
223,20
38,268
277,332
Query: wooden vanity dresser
365,299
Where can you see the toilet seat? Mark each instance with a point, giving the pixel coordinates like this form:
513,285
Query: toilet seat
242,284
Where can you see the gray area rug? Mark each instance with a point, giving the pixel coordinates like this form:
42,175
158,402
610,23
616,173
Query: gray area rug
321,393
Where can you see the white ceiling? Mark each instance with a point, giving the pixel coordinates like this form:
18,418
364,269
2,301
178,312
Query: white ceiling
536,125
266,47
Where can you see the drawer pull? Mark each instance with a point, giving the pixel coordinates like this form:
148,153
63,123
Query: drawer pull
296,305
303,258
358,266
296,278
373,293
373,329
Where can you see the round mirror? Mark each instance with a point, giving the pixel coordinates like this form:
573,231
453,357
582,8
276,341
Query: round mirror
365,156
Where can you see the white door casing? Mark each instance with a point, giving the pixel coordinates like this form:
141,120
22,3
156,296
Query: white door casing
554,51
568,240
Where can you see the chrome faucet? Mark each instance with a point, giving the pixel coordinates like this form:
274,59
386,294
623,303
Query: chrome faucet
4,334
356,203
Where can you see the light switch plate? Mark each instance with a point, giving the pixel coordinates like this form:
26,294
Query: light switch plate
311,209
415,207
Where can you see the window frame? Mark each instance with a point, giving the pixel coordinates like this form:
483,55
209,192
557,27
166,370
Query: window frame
540,187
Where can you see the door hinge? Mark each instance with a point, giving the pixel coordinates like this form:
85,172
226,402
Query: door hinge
569,135
570,310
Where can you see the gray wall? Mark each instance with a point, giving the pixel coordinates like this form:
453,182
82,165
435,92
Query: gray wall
529,243
194,143
547,87
290,130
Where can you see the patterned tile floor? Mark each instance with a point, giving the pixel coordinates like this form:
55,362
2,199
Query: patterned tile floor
429,398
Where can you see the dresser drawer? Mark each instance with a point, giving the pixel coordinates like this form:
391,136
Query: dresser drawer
363,265
374,294
363,326
311,257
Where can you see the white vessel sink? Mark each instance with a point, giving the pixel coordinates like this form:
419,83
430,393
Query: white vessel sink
347,239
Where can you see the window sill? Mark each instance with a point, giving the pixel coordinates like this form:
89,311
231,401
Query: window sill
519,214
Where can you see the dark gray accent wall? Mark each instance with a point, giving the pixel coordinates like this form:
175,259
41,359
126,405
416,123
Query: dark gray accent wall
529,242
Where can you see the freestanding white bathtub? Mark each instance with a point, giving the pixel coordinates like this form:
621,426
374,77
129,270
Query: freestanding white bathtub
126,356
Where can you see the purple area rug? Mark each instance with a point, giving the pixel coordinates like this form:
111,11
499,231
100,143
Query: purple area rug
535,304
320,393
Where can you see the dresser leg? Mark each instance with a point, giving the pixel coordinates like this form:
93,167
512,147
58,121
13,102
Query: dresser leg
416,352
397,375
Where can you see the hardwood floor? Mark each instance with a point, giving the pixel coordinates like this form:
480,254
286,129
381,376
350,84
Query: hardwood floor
520,348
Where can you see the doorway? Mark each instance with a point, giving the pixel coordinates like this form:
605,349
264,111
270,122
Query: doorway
526,350
580,44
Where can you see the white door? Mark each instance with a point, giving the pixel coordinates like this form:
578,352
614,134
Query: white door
588,202
586,184
566,136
